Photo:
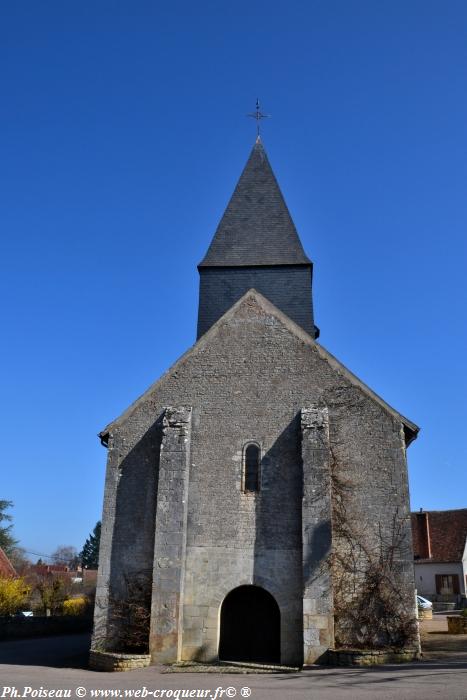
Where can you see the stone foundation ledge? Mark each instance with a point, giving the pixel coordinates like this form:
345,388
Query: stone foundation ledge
370,657
425,614
457,624
229,667
114,661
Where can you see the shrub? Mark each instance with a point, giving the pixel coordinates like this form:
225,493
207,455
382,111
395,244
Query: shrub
13,595
74,606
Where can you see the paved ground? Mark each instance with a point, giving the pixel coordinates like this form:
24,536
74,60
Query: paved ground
60,663
437,643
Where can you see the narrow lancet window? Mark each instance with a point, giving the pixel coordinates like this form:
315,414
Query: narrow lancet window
252,468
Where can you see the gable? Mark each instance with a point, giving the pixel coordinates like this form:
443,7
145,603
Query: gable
258,328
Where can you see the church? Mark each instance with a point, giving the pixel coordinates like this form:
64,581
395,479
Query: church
256,500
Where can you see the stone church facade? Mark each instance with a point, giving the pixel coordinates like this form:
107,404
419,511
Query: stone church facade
227,480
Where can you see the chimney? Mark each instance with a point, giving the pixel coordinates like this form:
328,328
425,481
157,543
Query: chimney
423,535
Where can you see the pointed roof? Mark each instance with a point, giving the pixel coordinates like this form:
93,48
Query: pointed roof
257,302
256,228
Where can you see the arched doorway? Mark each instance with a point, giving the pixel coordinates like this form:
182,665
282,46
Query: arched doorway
250,626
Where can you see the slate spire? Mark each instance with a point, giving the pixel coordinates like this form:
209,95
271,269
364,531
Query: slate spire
256,246
256,228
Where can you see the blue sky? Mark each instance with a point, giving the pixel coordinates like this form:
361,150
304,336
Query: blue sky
122,134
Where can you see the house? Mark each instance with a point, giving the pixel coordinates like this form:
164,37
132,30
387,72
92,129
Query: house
247,487
80,576
440,554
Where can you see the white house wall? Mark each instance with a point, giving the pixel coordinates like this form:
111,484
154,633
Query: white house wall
425,573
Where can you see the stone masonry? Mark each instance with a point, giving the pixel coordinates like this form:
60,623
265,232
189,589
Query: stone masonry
170,534
318,622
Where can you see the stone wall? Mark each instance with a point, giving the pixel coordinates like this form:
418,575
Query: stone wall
22,627
247,379
457,624
108,661
362,657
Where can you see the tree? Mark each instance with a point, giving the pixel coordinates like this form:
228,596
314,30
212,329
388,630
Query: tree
19,560
53,592
7,541
90,552
66,555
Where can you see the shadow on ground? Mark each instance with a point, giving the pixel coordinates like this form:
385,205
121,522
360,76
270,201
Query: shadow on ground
70,651
419,672
442,654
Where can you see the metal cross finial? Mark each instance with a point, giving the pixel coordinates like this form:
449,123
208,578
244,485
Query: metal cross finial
258,115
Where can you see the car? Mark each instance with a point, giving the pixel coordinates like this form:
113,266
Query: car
424,603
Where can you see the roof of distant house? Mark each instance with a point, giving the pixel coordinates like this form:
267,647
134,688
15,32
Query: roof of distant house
43,569
447,535
6,567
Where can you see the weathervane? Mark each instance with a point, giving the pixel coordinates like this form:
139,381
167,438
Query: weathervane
258,115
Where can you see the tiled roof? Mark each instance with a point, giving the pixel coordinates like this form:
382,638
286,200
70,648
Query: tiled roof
43,569
447,532
256,228
6,567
